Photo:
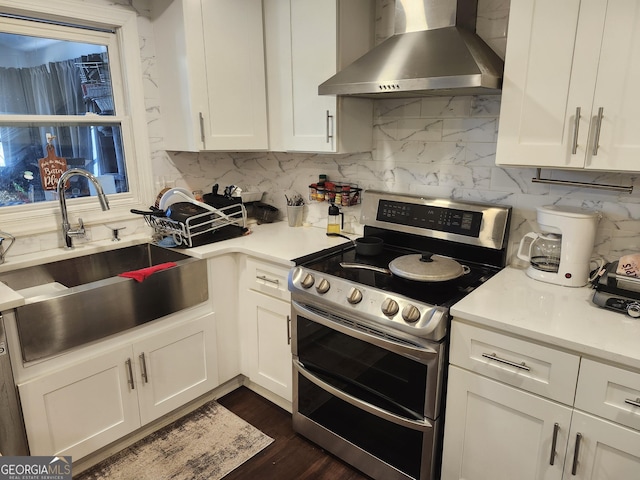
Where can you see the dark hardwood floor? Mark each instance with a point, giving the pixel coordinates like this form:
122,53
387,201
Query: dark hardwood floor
290,456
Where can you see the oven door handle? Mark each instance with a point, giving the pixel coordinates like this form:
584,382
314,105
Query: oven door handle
421,425
419,352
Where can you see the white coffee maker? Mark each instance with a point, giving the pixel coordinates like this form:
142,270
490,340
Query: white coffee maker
561,253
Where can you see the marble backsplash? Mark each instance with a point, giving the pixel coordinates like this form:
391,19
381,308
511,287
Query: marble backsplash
442,147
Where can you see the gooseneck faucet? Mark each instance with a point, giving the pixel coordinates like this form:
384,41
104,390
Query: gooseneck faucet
67,232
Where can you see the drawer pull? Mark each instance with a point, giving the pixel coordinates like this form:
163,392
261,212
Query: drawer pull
264,278
556,429
493,356
576,452
635,403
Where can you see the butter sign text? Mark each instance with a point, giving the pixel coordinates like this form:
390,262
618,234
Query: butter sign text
51,169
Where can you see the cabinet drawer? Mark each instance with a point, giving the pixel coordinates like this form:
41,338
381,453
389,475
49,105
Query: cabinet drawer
267,278
541,370
609,392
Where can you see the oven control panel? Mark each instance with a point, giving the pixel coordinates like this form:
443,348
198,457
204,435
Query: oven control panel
471,223
377,306
450,220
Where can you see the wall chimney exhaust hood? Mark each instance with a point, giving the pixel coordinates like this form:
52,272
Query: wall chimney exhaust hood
433,52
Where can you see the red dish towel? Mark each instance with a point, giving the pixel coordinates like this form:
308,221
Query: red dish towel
140,275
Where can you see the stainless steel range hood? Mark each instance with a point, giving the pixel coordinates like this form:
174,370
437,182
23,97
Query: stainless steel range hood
433,52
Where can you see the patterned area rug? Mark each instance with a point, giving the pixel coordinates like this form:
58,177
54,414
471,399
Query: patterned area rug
204,445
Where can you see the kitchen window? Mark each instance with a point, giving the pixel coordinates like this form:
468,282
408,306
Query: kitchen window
70,97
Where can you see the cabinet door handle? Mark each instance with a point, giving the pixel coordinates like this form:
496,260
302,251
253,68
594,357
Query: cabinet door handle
130,374
201,126
596,140
554,441
267,279
329,126
493,356
143,367
635,403
288,329
576,452
576,128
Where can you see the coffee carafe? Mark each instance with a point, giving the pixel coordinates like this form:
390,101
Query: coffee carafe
561,252
544,251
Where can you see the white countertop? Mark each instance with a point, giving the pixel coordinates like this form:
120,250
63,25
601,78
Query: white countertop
276,242
560,316
510,301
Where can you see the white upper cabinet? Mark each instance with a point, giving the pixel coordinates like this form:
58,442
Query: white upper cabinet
570,91
211,74
306,42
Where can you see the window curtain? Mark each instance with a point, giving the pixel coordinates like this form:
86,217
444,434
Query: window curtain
52,89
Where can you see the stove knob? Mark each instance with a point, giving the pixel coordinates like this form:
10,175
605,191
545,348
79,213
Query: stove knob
323,286
390,307
307,281
633,309
410,314
355,296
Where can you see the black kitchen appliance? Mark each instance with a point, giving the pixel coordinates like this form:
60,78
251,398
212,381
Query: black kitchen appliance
616,292
370,347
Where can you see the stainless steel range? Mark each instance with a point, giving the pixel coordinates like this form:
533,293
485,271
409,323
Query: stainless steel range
370,343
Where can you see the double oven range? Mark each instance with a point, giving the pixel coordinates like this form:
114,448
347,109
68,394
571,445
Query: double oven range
370,348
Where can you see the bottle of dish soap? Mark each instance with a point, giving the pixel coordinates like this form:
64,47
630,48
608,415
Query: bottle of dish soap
335,221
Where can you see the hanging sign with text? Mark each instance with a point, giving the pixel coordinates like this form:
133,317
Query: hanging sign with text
51,169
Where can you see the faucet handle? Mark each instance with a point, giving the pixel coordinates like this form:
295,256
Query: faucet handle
79,231
114,232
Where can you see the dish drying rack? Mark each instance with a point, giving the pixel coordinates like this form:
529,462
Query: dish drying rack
185,234
96,84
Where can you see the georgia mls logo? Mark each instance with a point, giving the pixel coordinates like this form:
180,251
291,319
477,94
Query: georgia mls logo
35,468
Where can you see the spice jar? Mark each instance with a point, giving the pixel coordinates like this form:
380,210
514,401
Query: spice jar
338,198
346,192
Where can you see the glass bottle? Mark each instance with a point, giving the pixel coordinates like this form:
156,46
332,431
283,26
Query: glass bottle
335,220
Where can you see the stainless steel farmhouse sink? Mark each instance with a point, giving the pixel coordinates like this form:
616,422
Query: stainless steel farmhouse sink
79,300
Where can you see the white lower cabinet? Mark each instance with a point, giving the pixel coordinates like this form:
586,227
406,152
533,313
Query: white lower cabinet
265,314
499,426
270,363
606,450
81,408
494,431
175,367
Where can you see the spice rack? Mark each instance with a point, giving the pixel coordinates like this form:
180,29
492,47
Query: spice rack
345,194
197,229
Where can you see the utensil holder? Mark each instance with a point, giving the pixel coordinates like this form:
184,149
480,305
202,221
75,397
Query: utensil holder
294,215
